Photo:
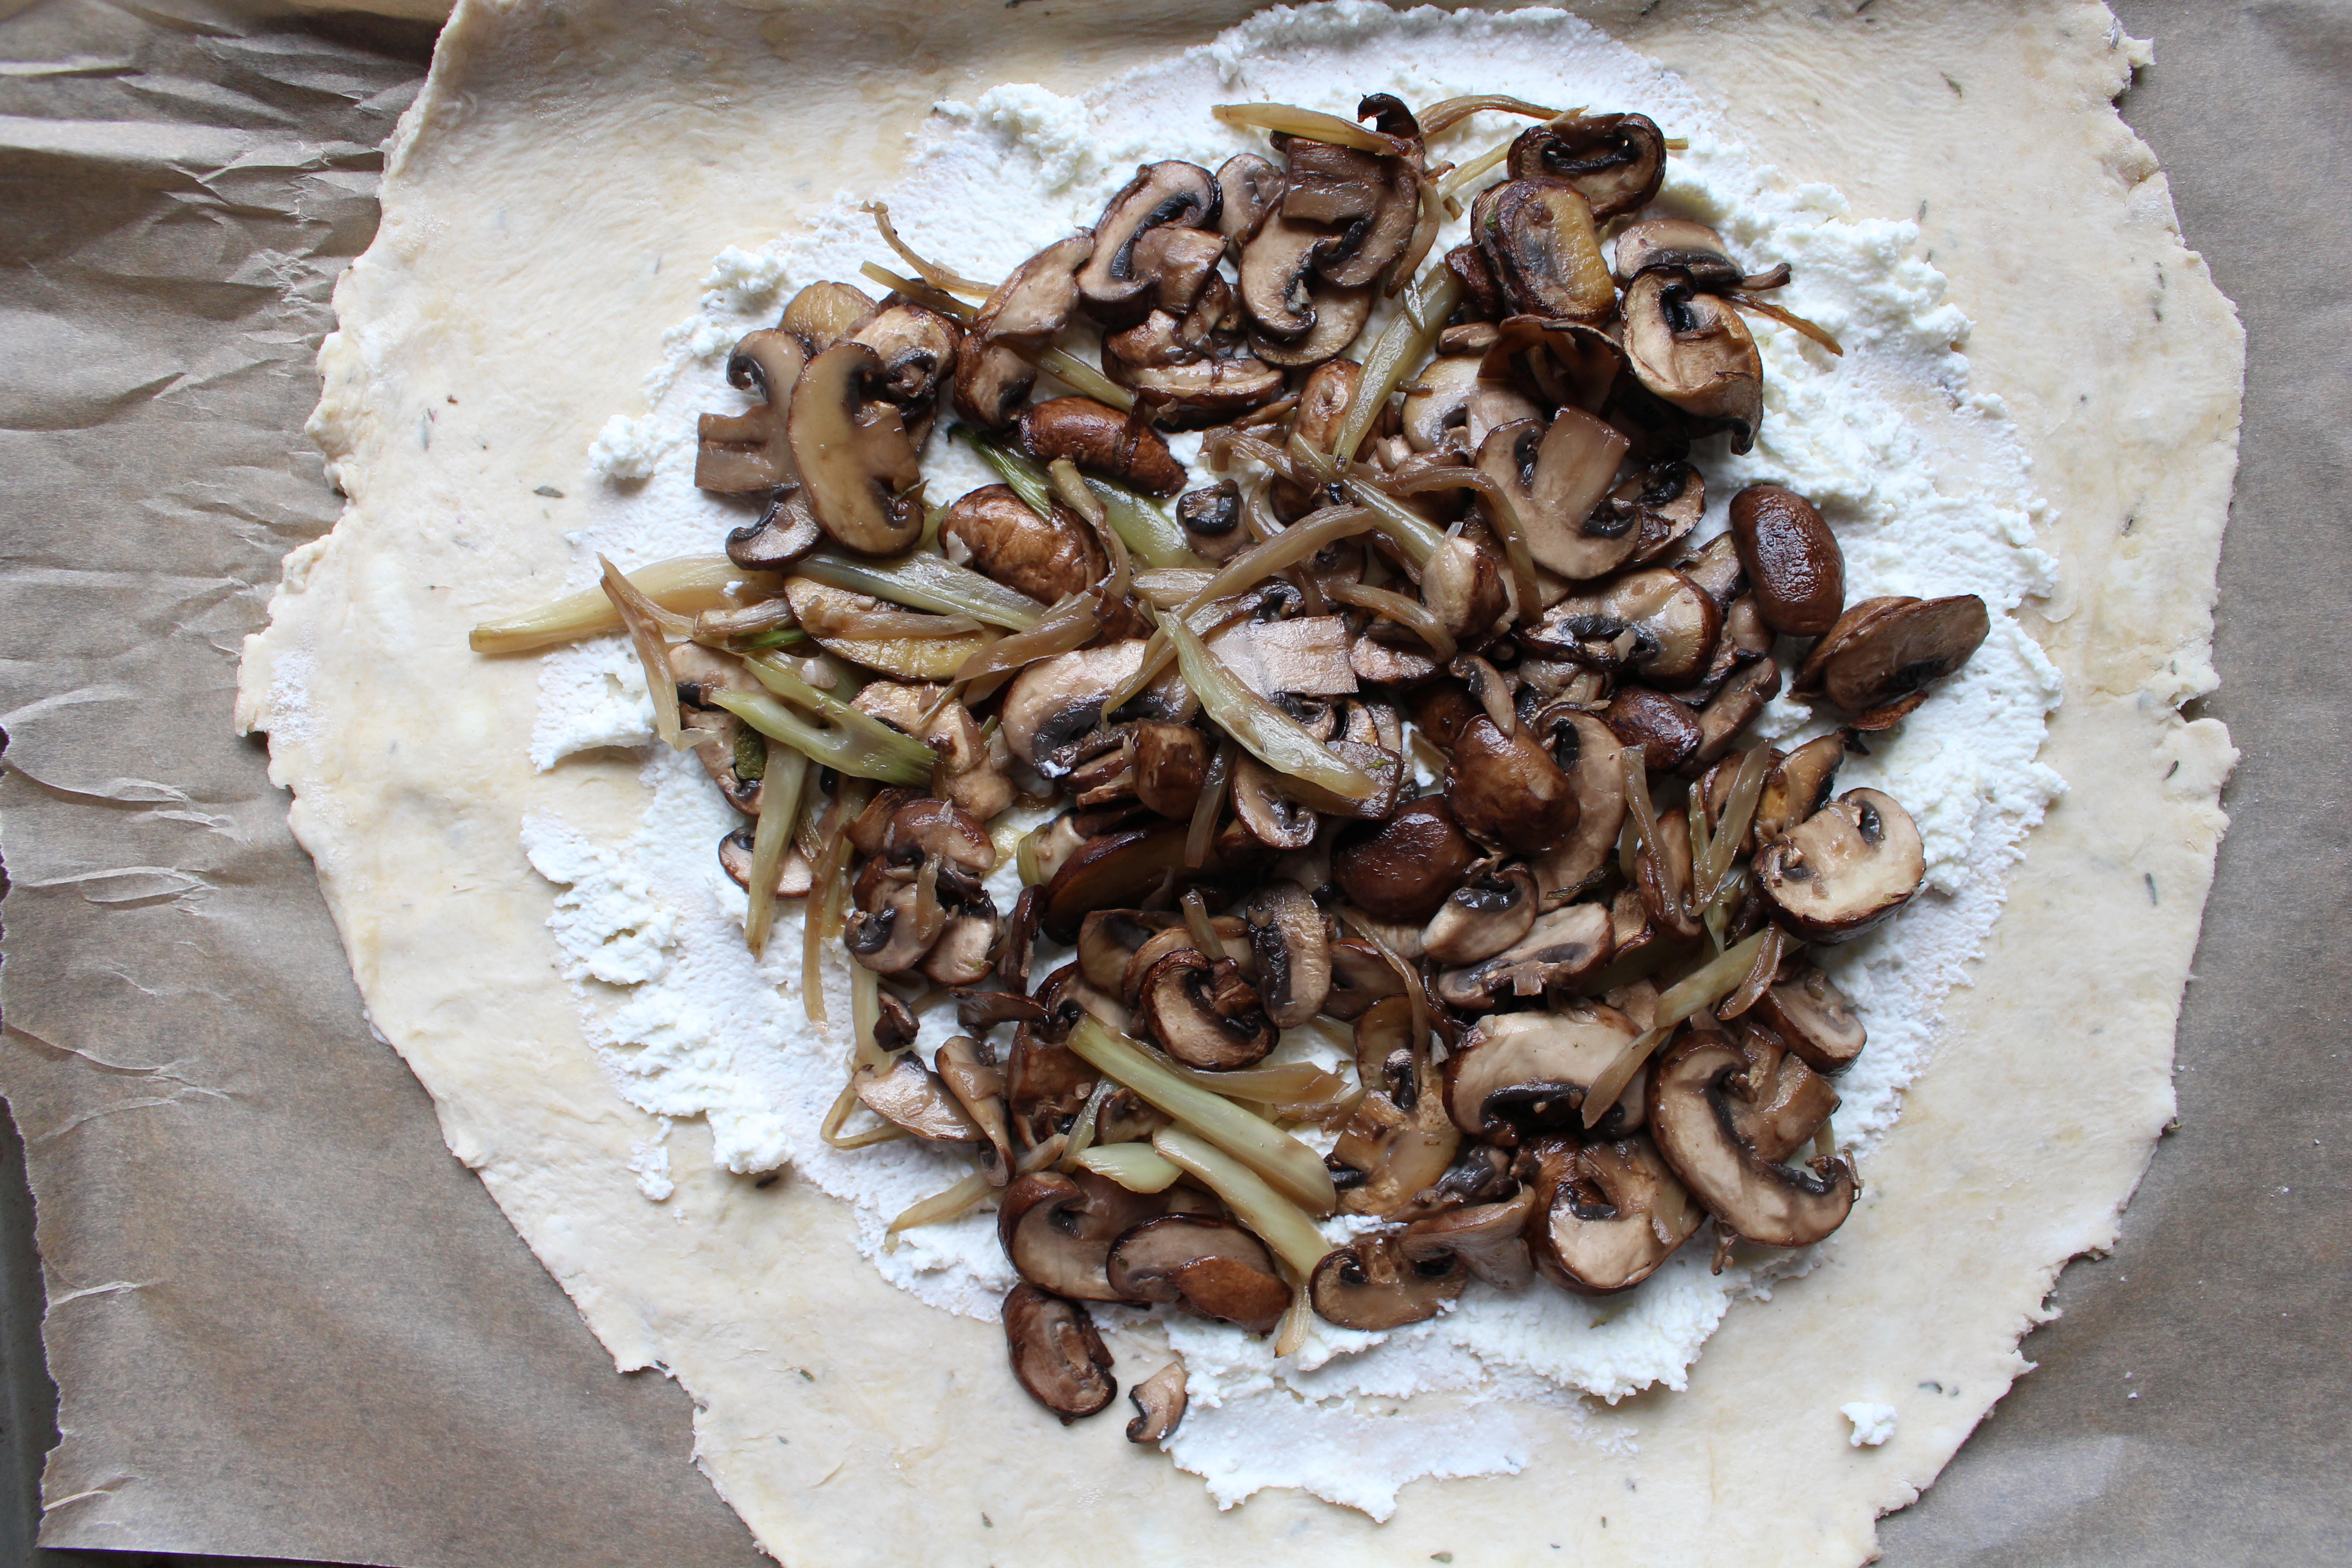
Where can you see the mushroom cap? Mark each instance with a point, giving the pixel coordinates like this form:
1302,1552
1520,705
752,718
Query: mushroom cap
1058,1231
1521,1074
1168,192
888,939
1735,706
1212,519
1664,729
1273,818
794,875
1616,161
1606,1214
1585,750
1370,1284
1452,405
1043,557
1120,870
1792,558
1028,310
1666,497
1203,1013
1559,950
1057,700
1540,239
1505,789
1812,1016
1101,440
785,531
857,466
1337,314
1879,670
928,829
1056,1354
1170,764
908,1094
1556,476
1159,1405
1692,1119
1844,868
1693,350
1292,941
1249,189
750,451
965,952
1489,911
1675,244
1402,869
1399,1140
822,313
917,348
1781,1101
1208,1266
1371,199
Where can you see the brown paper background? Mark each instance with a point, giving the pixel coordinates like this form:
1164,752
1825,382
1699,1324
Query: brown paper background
287,1323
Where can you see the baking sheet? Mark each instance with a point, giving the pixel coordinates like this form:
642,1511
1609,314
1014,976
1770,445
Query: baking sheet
287,1324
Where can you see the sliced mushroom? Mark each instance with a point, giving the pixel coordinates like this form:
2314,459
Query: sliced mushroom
1058,1231
1001,537
1170,762
1359,978
979,1086
1056,1354
870,827
1488,912
1399,1140
1558,364
1338,314
1462,586
910,1095
1616,161
1046,1084
1194,383
925,829
1304,656
1489,1238
1203,1013
1101,440
794,875
1249,188
1207,1266
1674,624
1666,730
1664,875
1505,789
1267,810
1278,275
1692,1118
1809,1012
1293,943
1120,870
1586,750
1211,521
785,531
822,314
1665,498
917,347
1025,313
965,952
750,451
1733,707
1555,475
1453,405
1056,701
1373,200
1692,350
1232,933
1878,667
1370,1284
1678,245
1159,1405
1540,239
856,464
1559,949
1404,868
1607,1215
1798,786
1844,868
1779,1104
1168,192
1792,558
892,938
1521,1074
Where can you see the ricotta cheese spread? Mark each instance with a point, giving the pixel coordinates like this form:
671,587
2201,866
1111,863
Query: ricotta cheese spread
1922,478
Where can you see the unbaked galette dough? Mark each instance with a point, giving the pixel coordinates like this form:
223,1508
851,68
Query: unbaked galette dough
563,154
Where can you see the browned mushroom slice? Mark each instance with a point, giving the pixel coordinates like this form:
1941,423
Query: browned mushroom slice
1208,1266
1879,671
1339,315
1462,584
1101,440
794,875
1666,499
1521,1074
856,464
1267,810
1056,1354
1489,1238
870,827
978,1085
1249,189
1196,384
1733,707
1056,701
1674,623
750,451
1058,1231
892,938
1170,762
824,313
1662,873
1000,536
1305,656
1404,868
1540,239
908,1094
1560,948
1691,1117
1779,1104
1844,868
1585,750
1792,558
965,952
1452,407
1482,296
1025,313
1278,276
1666,730
1679,244
1693,350
1488,912
1798,786
1370,1284
1372,201
1607,1215
1359,978
1293,943
1212,519
928,829
917,348
1203,1013
1159,1405
785,531
1812,1016
1616,161
1399,1138
1109,939
1505,789
1046,1084
832,617
1555,475
1232,933
1172,191
1119,870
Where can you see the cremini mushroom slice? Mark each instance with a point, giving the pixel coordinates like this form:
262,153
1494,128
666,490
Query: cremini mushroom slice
1193,384
1692,350
1586,750
1540,239
1561,364
1109,939
1208,1266
1159,1405
785,531
1555,476
910,1095
1452,407
1046,1084
917,347
1678,245
1267,810
1278,275
1057,700
1293,943
1692,1119
1249,189
1231,931
1489,1238
892,938
1559,949
1666,730
1663,874
1304,656
1844,868
1399,1138
1372,201
824,313
1002,536
1878,670
1370,1284
1168,192
1022,317
1056,1354
730,751
1170,764
1505,789
1359,978
965,952
1212,519
1616,161
1489,911
1734,706
1402,869
978,1085
1792,559
794,875
1811,1015
856,464
750,451
1519,1075
1798,786
1607,1215
1101,440
1674,624
926,829
1203,1013
1337,315
1119,870
1462,586
1058,1231
1780,1103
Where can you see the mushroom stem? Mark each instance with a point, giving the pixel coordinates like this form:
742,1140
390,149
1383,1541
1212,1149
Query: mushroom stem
947,1204
1264,731
1275,1154
1402,346
1275,1220
646,624
1411,613
1137,1167
1290,120
924,581
1702,988
680,585
780,808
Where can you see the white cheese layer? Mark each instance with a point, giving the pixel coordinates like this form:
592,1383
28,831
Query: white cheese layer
1924,483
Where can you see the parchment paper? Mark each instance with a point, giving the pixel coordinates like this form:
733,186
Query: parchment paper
286,1324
